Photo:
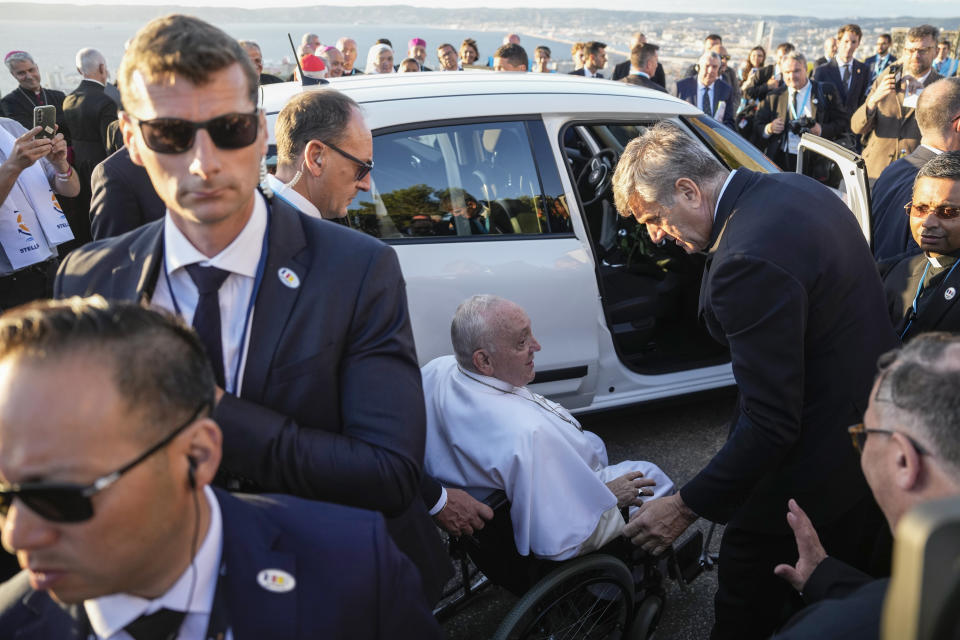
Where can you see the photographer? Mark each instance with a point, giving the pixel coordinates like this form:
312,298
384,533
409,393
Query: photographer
802,105
886,119
31,221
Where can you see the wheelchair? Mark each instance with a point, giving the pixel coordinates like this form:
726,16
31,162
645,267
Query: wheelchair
615,593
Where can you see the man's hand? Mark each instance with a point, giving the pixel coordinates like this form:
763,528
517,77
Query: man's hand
28,149
773,82
816,129
810,550
775,127
887,86
629,488
658,523
462,514
58,153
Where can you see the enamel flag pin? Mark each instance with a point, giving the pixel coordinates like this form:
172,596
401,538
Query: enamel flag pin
288,277
949,293
276,580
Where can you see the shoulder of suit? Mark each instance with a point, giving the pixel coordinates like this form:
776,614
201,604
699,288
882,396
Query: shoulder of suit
20,603
297,514
342,237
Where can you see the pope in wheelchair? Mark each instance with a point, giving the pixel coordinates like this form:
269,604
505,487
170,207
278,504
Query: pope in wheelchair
487,432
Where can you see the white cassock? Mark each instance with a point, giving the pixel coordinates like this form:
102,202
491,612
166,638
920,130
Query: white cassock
485,434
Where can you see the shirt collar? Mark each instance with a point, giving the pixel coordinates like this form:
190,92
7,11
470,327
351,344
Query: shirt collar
293,196
110,614
96,81
497,383
642,74
706,86
924,77
933,149
240,256
716,207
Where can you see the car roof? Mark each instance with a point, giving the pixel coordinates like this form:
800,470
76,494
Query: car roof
397,98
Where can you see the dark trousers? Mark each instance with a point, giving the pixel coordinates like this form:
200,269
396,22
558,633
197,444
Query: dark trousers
751,602
33,283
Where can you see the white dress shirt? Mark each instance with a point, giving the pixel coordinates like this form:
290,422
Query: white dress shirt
240,258
709,89
108,615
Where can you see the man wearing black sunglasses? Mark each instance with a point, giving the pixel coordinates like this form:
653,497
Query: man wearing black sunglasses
306,322
922,289
909,455
105,501
319,136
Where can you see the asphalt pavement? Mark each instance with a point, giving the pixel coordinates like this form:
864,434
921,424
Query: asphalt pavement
680,436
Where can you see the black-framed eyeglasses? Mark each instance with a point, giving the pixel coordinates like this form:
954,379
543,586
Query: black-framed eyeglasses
363,167
943,211
859,432
66,502
176,135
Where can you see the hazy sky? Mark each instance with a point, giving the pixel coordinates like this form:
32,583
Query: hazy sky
819,8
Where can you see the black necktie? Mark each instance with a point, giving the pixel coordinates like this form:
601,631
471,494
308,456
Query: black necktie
796,114
160,625
846,76
206,317
705,102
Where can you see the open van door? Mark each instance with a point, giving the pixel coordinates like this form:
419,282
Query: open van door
840,169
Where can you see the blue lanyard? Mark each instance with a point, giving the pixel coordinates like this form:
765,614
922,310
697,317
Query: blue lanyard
916,296
257,281
806,99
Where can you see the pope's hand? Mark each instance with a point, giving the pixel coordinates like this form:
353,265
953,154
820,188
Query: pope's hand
658,523
629,488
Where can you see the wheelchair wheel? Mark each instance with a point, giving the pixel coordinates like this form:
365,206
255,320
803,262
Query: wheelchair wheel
646,618
588,598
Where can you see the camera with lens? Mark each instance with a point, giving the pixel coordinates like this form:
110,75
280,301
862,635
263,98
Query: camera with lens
801,125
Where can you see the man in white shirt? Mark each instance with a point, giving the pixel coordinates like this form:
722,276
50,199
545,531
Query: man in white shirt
105,499
487,431
595,59
267,288
312,127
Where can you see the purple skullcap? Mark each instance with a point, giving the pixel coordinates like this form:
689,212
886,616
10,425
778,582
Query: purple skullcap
416,42
329,48
7,57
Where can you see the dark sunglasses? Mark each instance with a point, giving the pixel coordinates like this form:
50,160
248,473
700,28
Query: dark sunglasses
363,168
943,212
65,502
175,135
858,434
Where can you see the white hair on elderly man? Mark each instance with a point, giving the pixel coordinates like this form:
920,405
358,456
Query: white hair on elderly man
471,330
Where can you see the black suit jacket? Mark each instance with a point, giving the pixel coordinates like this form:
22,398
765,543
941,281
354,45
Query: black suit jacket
88,112
891,191
18,105
755,87
825,105
844,604
642,81
689,89
267,78
794,293
123,198
317,543
582,72
936,307
331,406
859,83
622,70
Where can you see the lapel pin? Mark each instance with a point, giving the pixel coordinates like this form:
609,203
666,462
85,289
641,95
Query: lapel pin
288,277
949,293
276,580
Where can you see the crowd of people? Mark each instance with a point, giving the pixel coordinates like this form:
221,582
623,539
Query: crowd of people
222,469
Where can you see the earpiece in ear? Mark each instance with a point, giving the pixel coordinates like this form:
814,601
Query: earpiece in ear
317,161
191,472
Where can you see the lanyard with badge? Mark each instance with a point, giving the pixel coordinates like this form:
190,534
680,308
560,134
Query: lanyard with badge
793,140
257,281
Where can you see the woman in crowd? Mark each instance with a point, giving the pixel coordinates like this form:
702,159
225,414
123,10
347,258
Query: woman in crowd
469,54
379,59
755,61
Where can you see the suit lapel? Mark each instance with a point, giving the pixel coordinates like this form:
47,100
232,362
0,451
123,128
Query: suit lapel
142,268
837,78
53,620
939,304
276,299
250,547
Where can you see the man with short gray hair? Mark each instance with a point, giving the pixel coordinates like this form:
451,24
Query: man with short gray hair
910,454
348,47
319,135
486,432
938,113
803,338
19,104
256,57
87,113
705,90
